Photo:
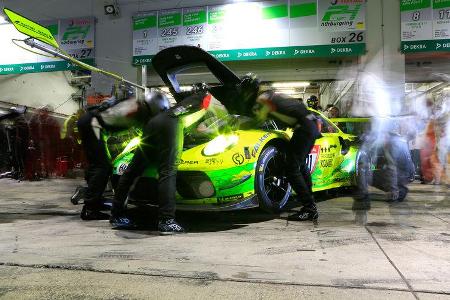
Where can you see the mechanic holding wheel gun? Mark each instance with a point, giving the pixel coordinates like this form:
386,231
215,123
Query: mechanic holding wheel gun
294,114
114,115
161,145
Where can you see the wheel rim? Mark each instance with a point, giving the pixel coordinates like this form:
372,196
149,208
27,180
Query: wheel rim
276,186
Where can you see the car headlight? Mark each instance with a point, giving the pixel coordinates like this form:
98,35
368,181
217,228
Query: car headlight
220,144
132,144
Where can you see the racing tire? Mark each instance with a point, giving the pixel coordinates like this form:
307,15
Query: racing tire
271,185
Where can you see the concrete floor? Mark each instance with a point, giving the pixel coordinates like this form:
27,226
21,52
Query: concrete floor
390,252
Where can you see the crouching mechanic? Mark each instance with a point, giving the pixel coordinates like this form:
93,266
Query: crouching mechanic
161,145
113,115
294,114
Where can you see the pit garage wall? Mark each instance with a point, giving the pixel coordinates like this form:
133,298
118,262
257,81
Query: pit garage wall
114,49
39,89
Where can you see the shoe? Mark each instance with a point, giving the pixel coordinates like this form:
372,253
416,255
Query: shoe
104,205
169,226
100,204
78,195
122,223
88,214
305,214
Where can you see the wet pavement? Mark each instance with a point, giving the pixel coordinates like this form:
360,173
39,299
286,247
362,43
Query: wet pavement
395,251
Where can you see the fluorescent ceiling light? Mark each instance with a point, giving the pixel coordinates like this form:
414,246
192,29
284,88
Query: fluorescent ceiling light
184,88
288,92
292,84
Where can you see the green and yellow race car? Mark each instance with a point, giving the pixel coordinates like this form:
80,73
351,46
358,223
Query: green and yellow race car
226,166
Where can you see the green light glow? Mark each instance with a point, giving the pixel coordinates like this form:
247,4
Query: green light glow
220,144
132,144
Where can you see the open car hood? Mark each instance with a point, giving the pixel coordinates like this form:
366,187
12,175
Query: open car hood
171,61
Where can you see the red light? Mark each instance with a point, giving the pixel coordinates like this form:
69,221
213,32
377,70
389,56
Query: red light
206,101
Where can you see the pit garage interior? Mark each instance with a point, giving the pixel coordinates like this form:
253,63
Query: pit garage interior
384,250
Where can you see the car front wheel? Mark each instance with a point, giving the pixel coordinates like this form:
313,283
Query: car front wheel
271,185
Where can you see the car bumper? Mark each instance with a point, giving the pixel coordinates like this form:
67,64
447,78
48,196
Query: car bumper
246,203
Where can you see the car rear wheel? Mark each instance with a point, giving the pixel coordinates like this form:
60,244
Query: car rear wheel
271,184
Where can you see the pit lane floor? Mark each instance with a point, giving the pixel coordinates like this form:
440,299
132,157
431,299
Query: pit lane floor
396,251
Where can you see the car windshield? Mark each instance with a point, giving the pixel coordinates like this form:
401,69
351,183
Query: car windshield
217,121
212,124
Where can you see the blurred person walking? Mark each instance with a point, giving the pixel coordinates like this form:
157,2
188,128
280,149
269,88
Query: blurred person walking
71,140
430,166
394,164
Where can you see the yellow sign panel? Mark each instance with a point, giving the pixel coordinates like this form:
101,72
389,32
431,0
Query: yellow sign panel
31,28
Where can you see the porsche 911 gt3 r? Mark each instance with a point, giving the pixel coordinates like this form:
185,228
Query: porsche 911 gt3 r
228,167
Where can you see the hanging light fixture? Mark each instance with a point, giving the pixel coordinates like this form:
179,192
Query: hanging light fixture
291,84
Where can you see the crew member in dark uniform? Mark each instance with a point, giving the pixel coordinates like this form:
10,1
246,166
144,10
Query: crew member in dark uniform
295,115
112,115
161,145
313,103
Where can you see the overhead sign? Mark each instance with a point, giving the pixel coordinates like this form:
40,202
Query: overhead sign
425,25
75,36
255,30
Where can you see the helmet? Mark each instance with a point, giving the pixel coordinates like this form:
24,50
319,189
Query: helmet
199,88
249,88
250,83
313,102
156,102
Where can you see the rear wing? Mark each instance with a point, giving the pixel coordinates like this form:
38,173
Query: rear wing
30,28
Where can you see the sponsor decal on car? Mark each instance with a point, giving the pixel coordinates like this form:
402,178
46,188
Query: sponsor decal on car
188,162
247,153
238,158
121,169
313,157
326,163
230,198
258,144
327,149
214,161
